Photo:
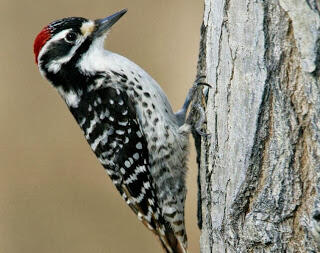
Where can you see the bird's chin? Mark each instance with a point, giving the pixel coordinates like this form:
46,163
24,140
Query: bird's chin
100,38
98,43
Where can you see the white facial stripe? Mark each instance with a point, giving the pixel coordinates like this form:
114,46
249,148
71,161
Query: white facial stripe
56,37
44,49
55,65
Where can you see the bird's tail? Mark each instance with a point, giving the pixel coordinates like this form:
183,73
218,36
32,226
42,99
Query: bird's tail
171,242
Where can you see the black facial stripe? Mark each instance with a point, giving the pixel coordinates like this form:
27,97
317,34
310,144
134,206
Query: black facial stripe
68,74
56,50
80,51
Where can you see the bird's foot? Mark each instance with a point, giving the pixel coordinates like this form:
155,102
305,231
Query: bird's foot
196,106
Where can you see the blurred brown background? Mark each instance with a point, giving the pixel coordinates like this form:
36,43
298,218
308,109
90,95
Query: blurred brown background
54,195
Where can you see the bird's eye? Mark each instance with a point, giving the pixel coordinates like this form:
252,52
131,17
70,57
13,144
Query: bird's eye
71,37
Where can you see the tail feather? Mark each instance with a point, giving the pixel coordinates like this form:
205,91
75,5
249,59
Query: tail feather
170,241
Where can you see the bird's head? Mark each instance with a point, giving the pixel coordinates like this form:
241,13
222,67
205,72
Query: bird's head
65,41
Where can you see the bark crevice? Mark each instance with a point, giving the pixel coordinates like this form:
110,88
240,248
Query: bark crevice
259,170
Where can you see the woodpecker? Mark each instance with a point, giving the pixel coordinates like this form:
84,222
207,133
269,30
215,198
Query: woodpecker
126,118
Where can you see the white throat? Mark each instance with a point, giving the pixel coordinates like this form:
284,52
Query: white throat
95,58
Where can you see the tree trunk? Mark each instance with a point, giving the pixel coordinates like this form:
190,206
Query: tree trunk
259,175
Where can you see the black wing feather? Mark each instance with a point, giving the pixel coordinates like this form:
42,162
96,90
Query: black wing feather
110,124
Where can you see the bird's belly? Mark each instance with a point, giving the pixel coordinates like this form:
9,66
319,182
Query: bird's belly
168,151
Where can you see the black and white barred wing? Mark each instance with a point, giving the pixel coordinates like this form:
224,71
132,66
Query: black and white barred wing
114,134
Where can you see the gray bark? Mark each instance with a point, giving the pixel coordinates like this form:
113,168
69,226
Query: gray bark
259,175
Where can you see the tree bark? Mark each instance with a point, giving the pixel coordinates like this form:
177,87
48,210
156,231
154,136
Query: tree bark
259,174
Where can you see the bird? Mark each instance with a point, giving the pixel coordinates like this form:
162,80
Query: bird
125,117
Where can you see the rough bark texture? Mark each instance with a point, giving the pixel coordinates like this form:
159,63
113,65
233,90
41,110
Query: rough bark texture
259,182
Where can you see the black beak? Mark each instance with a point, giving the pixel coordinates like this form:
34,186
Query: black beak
104,24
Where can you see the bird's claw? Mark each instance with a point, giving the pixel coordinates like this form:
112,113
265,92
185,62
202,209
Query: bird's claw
198,82
203,84
201,120
181,114
201,133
